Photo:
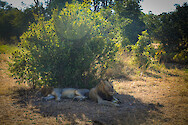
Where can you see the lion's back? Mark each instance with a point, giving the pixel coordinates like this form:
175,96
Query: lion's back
68,92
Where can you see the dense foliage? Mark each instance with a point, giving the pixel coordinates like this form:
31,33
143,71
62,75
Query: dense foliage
143,51
171,30
72,49
130,9
68,43
13,22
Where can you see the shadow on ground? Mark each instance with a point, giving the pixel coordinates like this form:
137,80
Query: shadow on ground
131,111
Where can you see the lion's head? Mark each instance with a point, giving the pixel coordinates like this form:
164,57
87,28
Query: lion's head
45,90
106,90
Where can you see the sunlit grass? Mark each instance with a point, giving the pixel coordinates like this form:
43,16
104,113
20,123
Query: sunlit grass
8,49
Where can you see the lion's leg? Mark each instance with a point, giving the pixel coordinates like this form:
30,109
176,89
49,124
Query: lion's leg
58,96
49,97
79,98
79,95
104,102
116,100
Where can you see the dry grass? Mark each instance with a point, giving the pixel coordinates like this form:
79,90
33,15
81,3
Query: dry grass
159,96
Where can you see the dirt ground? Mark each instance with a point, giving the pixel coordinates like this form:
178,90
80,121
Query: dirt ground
145,100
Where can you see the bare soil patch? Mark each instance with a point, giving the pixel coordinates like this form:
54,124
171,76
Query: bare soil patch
151,99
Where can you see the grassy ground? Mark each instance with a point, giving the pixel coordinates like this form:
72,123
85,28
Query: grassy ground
159,96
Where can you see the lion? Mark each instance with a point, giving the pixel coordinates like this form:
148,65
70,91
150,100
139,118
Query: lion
58,93
103,93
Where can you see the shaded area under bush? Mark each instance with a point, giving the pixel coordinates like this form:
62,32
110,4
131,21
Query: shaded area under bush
131,110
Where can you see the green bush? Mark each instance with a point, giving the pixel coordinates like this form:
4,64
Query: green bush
73,49
143,51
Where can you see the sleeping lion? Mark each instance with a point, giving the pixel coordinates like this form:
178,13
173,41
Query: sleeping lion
103,93
58,93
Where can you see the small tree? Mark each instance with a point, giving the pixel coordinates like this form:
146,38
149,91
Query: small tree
143,51
72,49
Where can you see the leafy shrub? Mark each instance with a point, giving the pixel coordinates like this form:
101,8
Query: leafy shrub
143,51
73,49
181,56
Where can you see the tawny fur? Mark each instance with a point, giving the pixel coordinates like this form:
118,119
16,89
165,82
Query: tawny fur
58,93
103,93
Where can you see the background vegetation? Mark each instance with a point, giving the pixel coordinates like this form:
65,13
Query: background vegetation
75,43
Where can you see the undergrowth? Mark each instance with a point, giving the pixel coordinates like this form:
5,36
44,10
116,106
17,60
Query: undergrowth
8,49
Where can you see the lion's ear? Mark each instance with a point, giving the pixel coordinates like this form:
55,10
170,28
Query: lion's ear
102,84
108,82
111,82
100,80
